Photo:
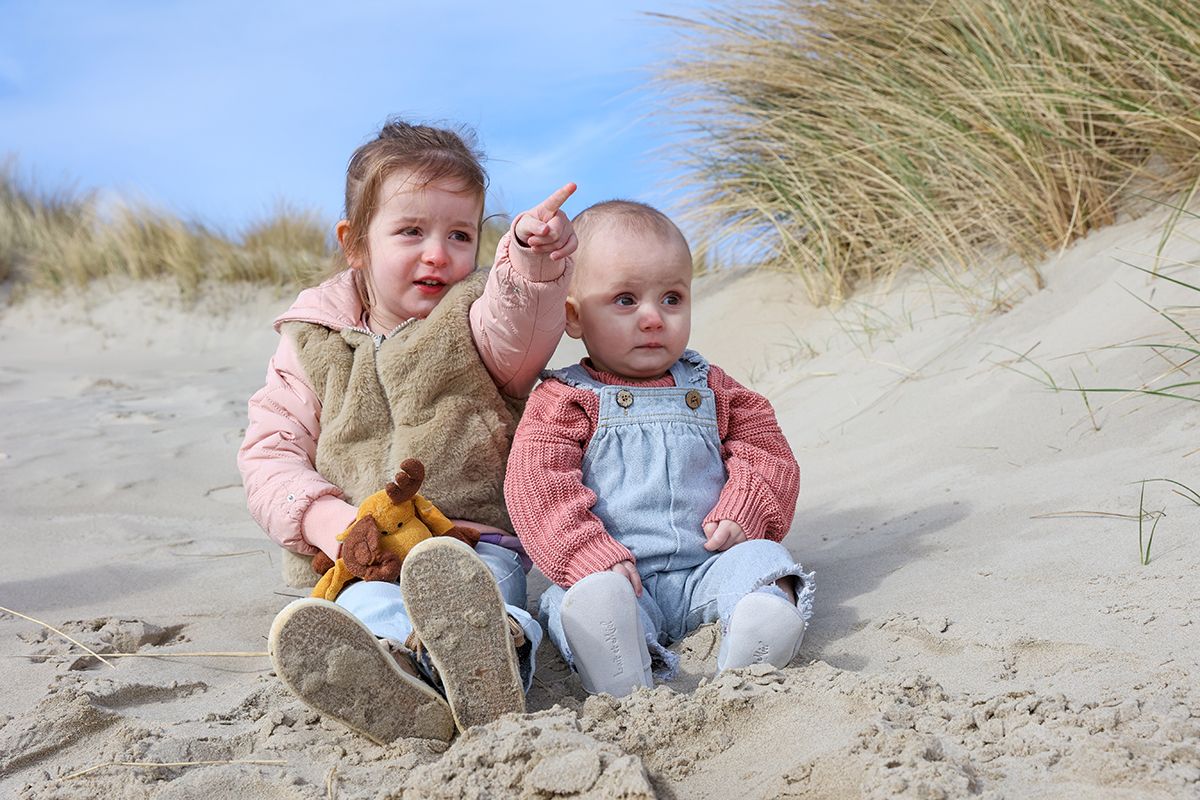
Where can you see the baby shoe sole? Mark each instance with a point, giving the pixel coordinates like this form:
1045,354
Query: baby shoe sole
763,629
604,631
459,616
337,667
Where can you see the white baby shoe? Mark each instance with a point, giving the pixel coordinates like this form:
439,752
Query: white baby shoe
604,631
763,629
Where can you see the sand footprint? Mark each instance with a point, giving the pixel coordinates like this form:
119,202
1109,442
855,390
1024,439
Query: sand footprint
102,635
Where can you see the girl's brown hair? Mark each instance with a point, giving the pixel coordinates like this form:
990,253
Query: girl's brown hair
430,154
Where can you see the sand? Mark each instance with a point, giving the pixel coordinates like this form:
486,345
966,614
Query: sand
983,624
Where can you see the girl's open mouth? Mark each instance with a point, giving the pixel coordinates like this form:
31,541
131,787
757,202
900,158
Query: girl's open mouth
429,286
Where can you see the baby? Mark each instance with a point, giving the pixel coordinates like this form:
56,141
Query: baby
647,484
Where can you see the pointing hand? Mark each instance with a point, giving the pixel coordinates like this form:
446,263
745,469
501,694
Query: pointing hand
546,229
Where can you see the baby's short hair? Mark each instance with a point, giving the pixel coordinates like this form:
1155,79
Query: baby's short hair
633,216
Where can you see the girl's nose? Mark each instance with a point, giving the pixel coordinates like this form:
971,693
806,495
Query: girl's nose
435,254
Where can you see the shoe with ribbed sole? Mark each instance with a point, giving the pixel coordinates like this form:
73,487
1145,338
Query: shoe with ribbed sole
459,617
337,667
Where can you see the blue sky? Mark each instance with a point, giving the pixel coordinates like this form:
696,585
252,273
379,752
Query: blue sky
219,110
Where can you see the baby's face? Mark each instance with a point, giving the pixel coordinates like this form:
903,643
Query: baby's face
631,302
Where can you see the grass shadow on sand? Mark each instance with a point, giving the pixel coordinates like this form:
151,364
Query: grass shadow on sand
853,551
90,586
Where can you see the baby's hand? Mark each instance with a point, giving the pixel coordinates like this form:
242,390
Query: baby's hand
628,569
546,229
723,535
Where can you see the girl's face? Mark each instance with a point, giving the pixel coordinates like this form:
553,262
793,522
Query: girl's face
421,241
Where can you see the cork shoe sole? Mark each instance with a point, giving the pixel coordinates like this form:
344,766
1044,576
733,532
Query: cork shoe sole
459,616
329,660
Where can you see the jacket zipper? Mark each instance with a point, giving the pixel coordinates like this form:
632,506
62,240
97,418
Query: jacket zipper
378,338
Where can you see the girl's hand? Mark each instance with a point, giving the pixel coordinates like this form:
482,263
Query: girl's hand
628,569
546,229
723,535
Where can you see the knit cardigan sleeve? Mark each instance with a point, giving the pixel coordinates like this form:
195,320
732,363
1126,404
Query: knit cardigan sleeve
764,478
549,505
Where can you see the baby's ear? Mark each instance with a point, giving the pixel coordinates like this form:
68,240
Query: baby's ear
574,325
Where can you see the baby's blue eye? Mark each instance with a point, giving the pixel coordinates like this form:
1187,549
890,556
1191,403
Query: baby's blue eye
672,299
625,300
460,236
410,231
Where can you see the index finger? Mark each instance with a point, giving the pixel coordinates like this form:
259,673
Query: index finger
549,207
718,538
636,580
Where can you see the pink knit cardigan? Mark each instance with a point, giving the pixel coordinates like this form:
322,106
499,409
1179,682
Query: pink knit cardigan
551,508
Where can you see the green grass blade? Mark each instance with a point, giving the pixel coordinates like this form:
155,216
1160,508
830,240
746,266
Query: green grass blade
1191,495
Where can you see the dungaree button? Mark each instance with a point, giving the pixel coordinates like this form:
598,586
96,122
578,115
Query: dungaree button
692,399
624,398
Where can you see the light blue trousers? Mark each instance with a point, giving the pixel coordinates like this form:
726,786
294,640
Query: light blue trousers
380,606
675,603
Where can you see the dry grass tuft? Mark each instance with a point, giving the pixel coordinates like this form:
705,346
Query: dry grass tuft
51,241
55,240
848,140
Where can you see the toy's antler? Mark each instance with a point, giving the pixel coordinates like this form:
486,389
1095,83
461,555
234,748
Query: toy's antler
407,481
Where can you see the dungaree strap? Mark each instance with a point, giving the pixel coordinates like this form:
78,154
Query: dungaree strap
574,375
690,370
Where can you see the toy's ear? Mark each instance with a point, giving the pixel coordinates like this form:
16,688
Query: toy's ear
408,480
574,325
321,563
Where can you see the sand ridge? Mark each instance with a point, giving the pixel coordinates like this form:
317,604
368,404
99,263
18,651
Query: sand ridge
972,636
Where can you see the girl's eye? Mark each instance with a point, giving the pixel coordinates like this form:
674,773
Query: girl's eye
672,299
625,300
460,236
410,231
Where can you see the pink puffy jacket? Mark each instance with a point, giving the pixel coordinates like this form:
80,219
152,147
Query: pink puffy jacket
516,323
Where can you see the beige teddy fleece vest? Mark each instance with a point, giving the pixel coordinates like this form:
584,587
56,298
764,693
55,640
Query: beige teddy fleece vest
423,393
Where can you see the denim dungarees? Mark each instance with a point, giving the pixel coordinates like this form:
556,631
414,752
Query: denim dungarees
655,466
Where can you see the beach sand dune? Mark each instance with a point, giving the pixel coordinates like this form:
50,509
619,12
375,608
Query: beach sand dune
983,627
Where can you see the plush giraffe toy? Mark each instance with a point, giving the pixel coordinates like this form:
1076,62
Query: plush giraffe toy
389,524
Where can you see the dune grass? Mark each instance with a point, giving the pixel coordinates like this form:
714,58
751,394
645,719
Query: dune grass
62,238
842,141
52,240
1146,539
848,140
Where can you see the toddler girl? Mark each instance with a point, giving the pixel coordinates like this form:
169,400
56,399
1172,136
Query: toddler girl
410,352
651,487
